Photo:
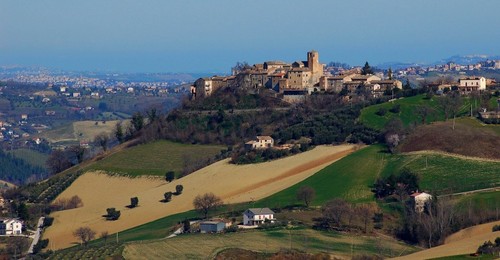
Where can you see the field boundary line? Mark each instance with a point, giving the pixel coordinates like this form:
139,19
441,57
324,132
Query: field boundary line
459,156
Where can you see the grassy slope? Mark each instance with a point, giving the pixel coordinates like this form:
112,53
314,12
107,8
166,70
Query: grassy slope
79,130
442,136
30,156
154,158
484,200
446,174
352,176
407,113
308,240
340,179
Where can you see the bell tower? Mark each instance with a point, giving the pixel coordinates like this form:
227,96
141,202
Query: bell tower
313,60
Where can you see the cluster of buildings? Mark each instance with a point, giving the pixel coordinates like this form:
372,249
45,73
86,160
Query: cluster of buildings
448,67
252,217
293,81
466,85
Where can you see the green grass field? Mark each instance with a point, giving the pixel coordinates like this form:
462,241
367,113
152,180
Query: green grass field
407,112
352,176
154,158
302,239
445,174
340,179
32,157
480,201
64,132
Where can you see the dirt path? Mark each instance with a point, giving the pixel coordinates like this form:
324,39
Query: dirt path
459,156
463,242
471,192
233,183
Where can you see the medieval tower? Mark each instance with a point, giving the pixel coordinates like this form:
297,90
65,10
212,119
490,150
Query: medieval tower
314,65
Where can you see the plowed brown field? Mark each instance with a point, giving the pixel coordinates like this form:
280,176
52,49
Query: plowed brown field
233,183
465,241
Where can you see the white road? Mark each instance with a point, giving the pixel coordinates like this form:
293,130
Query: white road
37,235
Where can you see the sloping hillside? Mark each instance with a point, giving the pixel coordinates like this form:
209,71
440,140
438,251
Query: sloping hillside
155,158
233,183
352,176
406,109
79,130
465,241
469,138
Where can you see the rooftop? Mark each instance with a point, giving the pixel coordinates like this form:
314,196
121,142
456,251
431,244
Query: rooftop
261,211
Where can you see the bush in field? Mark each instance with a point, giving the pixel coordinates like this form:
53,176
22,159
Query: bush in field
112,214
381,111
169,176
47,221
167,196
178,189
134,201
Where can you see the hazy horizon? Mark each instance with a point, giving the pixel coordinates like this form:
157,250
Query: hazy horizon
201,37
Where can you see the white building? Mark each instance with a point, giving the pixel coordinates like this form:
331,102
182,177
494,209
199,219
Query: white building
420,199
261,142
467,85
257,216
11,226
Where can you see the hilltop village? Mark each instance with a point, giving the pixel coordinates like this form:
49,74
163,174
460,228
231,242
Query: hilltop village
293,81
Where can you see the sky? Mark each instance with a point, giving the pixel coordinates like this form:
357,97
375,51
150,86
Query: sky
202,36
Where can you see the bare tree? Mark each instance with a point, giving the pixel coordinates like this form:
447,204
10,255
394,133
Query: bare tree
78,152
334,212
392,141
365,213
102,140
58,161
455,104
423,112
104,236
306,194
85,234
206,202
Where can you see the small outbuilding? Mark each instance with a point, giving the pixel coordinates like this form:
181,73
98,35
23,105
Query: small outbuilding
212,226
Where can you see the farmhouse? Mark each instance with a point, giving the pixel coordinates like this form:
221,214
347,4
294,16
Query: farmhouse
11,226
420,199
260,142
212,226
257,216
471,84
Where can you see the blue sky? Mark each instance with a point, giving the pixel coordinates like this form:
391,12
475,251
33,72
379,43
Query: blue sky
211,36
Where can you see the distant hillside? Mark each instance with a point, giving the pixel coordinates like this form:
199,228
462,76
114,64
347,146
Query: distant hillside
469,138
156,158
79,130
18,171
